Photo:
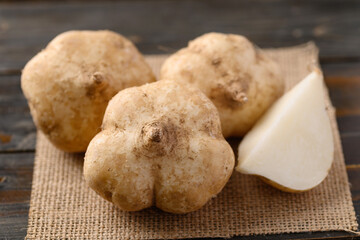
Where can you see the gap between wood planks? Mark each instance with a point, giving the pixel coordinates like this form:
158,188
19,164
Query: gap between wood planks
352,166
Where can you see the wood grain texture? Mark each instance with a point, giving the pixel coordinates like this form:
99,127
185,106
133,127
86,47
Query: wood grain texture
354,179
350,138
163,26
15,188
343,81
17,130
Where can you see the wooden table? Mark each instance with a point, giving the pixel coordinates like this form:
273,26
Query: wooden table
163,27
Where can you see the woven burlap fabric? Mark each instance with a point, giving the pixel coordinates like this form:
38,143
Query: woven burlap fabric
63,207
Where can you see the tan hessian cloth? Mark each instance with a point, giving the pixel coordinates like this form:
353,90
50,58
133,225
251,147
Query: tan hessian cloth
63,207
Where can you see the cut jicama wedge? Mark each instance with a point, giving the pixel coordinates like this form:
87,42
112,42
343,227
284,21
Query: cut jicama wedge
291,146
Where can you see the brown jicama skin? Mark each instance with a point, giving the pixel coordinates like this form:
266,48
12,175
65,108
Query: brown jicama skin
68,84
241,80
160,144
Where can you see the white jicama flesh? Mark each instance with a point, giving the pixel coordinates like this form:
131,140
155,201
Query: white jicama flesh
291,146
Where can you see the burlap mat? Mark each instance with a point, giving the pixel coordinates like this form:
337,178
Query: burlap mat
63,207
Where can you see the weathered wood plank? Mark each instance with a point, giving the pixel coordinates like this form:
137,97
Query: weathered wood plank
158,26
14,226
15,188
354,179
17,131
343,81
349,127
